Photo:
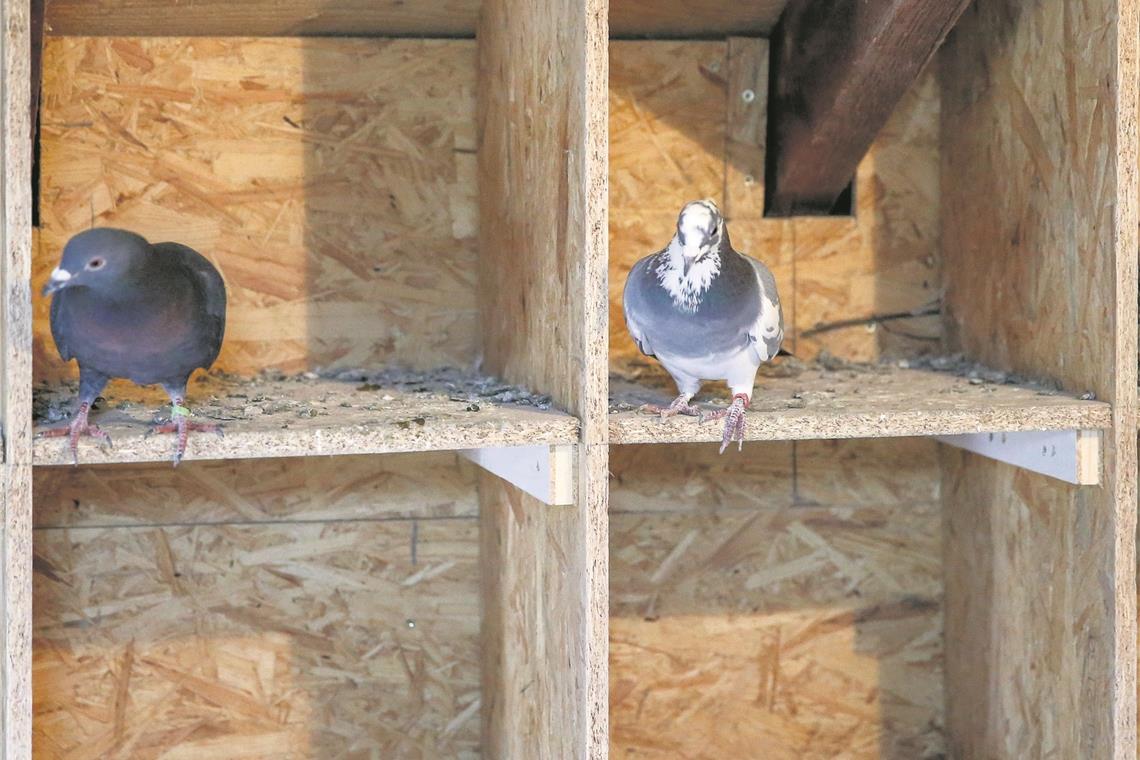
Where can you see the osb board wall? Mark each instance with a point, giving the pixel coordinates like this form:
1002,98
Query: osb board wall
444,18
252,610
1039,219
789,600
672,104
331,180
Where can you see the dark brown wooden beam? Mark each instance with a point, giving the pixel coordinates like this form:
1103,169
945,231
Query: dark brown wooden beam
839,69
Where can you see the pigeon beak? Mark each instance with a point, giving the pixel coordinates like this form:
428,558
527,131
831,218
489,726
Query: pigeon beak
58,281
688,263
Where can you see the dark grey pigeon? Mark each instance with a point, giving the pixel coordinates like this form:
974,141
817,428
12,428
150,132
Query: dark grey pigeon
122,307
705,312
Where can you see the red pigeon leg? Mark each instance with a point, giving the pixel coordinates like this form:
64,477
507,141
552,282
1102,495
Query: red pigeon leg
77,427
680,405
733,421
182,426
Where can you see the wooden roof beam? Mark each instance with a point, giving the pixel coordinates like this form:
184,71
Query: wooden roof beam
839,69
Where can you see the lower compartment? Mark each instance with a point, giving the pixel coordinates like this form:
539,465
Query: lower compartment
279,609
789,599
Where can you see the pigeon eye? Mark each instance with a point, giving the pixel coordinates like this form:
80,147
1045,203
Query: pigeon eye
94,264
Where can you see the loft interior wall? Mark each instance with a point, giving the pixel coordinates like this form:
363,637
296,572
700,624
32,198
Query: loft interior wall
249,602
663,119
331,180
1039,220
794,598
814,567
668,146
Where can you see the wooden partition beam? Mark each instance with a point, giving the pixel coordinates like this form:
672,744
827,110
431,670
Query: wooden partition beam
16,382
431,18
542,141
838,71
1039,223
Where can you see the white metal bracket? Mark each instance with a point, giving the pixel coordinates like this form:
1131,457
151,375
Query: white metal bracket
544,472
1069,455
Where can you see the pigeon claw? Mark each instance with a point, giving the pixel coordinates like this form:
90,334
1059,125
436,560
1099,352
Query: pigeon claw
79,426
680,405
733,421
182,428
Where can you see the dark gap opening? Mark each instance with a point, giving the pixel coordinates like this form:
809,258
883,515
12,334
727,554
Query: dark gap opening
844,204
37,52
36,169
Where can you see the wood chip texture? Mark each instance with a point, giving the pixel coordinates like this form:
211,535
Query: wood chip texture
304,416
331,181
789,600
862,401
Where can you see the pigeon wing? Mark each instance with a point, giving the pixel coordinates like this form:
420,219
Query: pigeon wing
767,332
211,287
57,330
633,302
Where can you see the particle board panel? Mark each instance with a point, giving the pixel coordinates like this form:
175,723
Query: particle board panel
332,181
1039,221
542,169
542,149
303,417
877,401
15,382
810,631
693,477
232,641
883,260
437,18
306,489
545,619
648,479
868,473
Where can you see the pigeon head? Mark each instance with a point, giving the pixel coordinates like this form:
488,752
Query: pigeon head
98,259
700,228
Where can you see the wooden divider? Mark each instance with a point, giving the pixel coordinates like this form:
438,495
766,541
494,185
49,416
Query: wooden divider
542,143
1039,239
16,385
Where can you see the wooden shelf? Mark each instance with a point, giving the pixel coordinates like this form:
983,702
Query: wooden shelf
310,417
366,18
865,402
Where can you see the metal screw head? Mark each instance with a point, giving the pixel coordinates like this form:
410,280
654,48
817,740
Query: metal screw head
748,96
411,623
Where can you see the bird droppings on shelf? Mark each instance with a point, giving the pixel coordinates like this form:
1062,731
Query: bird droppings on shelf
347,411
836,398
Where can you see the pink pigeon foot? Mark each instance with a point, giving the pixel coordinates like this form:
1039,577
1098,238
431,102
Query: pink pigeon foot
77,427
181,425
733,421
680,405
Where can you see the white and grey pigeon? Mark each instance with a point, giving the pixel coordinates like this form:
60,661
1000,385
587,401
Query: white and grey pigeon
706,312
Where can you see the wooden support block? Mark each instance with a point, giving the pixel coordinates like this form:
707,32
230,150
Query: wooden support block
839,70
544,472
1073,456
